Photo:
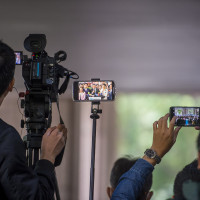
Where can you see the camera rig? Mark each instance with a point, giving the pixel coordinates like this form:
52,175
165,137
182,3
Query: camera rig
41,75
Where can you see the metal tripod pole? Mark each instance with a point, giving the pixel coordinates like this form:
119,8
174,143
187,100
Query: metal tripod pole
94,116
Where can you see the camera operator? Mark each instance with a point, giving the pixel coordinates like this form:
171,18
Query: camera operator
132,182
17,180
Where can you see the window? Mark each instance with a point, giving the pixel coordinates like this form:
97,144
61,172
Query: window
135,116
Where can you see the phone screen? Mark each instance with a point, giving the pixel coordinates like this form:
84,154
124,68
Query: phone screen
186,116
18,57
93,91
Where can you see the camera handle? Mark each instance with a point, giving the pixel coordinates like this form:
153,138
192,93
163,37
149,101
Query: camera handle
94,116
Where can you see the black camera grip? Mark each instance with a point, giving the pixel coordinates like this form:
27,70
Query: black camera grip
59,158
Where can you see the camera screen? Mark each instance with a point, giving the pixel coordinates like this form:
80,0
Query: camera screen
95,91
18,57
187,116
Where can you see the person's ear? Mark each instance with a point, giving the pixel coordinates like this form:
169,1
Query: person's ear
149,195
110,191
198,167
10,87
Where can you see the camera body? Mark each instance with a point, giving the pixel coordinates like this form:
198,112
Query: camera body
41,75
41,72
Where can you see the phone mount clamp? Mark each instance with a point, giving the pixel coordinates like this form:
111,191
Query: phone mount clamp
95,110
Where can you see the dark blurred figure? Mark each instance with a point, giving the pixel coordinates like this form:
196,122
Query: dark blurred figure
187,183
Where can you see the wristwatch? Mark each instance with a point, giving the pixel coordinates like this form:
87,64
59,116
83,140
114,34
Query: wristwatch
150,153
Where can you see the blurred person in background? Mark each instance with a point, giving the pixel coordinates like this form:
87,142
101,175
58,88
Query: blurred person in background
121,166
94,90
187,181
104,91
82,95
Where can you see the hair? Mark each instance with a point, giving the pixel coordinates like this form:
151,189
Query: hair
7,66
189,174
121,166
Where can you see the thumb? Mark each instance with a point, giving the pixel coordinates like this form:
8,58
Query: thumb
176,131
197,127
61,127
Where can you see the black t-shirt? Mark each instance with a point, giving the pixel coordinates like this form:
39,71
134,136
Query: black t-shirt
17,180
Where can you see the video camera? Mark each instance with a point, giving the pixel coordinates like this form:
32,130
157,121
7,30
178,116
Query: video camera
41,72
41,75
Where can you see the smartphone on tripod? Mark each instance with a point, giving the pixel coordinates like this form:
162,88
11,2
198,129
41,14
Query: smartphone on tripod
95,90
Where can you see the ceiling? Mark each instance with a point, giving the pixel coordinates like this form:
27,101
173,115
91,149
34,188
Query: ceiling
144,46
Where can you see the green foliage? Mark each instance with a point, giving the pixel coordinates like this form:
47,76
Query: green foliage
135,116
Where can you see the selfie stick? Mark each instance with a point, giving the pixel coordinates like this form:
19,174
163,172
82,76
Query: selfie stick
94,110
94,116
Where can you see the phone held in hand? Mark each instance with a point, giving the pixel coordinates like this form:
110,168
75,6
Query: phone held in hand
85,91
186,116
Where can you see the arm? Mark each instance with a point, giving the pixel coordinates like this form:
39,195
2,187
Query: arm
131,183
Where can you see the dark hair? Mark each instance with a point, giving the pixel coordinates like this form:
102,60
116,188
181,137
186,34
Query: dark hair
189,173
7,66
121,166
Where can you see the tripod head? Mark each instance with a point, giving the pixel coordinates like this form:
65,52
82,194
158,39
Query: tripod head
95,108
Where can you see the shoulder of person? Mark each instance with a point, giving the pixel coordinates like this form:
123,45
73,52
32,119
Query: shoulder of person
9,136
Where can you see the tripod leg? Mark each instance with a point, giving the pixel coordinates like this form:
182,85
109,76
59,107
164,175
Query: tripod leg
36,156
56,188
30,157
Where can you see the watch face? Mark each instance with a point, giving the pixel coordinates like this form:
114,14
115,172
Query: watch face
150,153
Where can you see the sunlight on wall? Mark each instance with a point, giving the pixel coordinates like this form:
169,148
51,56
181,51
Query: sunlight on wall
135,116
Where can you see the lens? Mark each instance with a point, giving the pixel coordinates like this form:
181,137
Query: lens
36,44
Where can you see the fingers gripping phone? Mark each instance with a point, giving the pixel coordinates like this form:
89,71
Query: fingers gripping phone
186,116
84,91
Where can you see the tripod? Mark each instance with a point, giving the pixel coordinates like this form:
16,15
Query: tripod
94,116
33,145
